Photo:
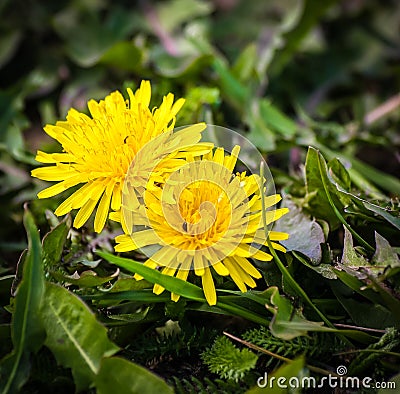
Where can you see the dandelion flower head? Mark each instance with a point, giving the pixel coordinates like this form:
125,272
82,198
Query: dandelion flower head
205,219
98,150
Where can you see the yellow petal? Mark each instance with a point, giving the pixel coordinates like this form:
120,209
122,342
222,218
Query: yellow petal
277,236
102,209
209,287
115,216
260,255
272,200
230,161
233,272
247,266
116,198
220,269
74,201
278,247
84,213
219,156
182,274
54,158
175,297
57,189
54,173
198,264
124,243
272,216
158,289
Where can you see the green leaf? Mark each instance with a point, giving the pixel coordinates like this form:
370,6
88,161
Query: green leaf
358,286
306,235
123,377
9,43
172,284
325,270
343,190
87,37
331,194
284,312
131,317
26,330
182,66
350,258
395,221
261,135
267,385
10,103
197,98
394,386
246,63
277,120
134,295
317,198
384,254
54,241
375,292
176,12
385,181
77,340
362,313
87,278
123,55
177,286
339,173
233,90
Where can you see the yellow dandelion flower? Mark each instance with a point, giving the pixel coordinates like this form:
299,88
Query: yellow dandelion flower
205,218
98,150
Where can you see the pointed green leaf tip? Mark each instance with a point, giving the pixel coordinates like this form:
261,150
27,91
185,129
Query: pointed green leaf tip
26,329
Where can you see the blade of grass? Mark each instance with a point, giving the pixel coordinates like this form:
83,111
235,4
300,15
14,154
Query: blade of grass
129,295
178,286
172,284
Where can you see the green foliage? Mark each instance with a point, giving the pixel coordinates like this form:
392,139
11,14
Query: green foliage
226,360
317,346
54,243
205,386
125,377
189,341
369,360
26,330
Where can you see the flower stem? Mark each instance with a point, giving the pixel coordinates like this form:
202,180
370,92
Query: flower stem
337,213
289,278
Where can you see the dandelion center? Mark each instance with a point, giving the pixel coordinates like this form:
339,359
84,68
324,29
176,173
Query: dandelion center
202,216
